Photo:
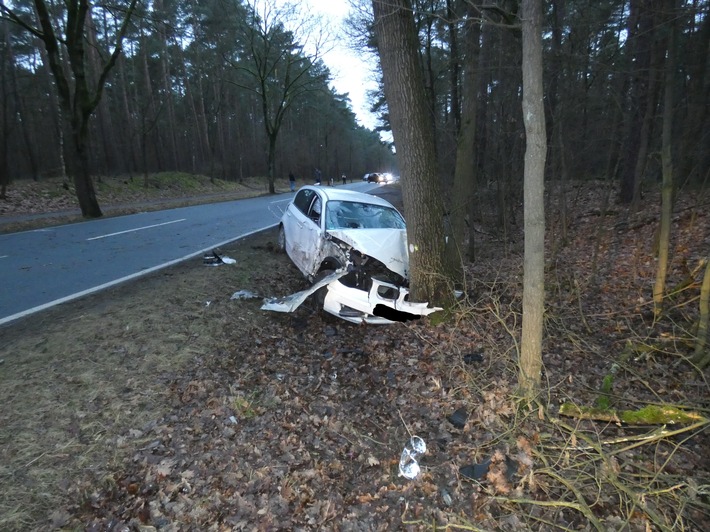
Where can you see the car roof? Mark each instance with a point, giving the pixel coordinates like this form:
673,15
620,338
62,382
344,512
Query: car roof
342,194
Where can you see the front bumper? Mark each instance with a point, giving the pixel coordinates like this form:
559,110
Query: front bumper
384,303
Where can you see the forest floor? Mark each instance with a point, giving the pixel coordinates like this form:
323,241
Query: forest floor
164,404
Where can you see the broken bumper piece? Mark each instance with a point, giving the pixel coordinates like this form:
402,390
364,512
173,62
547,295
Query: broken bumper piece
384,303
292,302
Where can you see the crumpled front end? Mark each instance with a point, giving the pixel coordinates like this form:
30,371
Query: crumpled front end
383,303
372,287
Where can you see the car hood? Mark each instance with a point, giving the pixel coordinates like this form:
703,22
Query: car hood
389,246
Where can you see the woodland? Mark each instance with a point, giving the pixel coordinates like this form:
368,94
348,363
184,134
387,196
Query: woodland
298,423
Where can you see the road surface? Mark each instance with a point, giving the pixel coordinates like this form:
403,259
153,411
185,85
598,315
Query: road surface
46,267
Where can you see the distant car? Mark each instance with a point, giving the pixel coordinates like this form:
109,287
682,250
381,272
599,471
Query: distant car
376,177
353,247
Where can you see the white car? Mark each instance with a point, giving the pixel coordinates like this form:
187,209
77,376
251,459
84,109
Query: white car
353,248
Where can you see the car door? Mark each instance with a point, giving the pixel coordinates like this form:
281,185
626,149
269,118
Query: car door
313,235
302,231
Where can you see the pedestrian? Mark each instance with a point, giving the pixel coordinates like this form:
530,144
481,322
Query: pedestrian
318,176
292,181
345,179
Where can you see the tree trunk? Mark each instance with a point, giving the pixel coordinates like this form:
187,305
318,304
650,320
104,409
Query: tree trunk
414,138
454,65
75,97
5,111
534,175
667,162
465,171
702,356
272,162
639,45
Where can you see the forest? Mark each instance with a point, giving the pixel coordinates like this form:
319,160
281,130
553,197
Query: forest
198,87
222,86
298,422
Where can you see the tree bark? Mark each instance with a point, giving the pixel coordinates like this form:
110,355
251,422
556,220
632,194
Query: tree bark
702,356
414,138
667,187
530,364
465,171
75,96
639,45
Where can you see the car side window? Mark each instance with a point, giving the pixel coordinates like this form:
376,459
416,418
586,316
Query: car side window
316,208
303,200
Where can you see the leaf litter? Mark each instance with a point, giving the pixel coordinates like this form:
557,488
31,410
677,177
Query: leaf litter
142,409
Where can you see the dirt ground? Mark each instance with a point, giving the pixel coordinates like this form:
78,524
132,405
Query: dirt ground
164,404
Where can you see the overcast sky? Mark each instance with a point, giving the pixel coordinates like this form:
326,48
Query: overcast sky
350,73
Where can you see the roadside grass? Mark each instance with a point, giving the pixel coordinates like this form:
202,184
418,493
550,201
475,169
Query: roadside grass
79,383
52,201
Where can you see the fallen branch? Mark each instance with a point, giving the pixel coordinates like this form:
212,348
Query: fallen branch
648,415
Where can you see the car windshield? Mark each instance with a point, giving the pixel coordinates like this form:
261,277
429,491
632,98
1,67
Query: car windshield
355,215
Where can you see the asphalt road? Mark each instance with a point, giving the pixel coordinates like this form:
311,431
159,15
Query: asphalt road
46,267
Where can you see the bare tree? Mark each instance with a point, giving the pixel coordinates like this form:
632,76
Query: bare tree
530,364
278,67
77,98
414,138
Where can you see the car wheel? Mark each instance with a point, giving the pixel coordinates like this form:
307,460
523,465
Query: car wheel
319,295
281,239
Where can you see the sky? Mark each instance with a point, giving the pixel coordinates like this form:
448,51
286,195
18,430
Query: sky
351,74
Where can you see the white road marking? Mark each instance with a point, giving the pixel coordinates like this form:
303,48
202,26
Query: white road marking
136,229
136,275
278,211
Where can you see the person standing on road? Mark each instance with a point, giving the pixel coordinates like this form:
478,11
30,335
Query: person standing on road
292,181
318,176
345,179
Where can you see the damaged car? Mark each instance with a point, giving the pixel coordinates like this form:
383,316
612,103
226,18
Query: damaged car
352,247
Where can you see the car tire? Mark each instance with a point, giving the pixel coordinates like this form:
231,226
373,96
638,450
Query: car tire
319,295
281,239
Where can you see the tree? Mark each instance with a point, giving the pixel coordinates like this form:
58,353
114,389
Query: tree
701,355
414,138
465,171
77,98
530,364
664,234
276,67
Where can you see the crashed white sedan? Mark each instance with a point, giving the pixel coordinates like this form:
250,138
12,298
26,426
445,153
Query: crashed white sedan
353,248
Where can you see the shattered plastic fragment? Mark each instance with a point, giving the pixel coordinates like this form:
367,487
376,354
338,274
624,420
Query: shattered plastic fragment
215,259
408,465
292,302
446,497
244,294
458,418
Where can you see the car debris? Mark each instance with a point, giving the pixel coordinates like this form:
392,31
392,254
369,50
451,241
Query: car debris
244,294
293,301
354,247
408,464
215,259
